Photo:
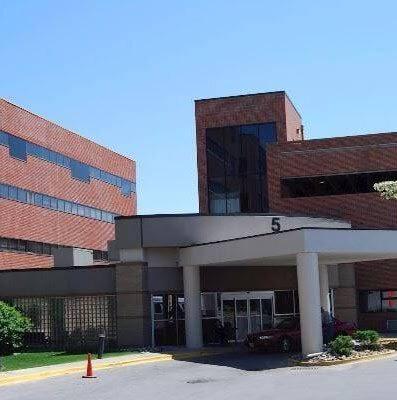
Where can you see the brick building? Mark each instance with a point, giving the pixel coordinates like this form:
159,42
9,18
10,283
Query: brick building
287,227
57,189
252,158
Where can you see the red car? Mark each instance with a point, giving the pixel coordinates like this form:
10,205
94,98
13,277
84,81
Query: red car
286,336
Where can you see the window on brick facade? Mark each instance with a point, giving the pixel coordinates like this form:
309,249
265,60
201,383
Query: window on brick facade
236,167
20,148
41,200
370,301
13,193
3,138
17,148
22,195
3,244
80,171
331,185
4,191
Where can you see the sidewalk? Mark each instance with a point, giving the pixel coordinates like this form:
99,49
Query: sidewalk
37,373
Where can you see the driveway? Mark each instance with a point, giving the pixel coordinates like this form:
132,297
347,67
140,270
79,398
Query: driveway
231,376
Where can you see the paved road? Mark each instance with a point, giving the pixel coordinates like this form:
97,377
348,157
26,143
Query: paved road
247,377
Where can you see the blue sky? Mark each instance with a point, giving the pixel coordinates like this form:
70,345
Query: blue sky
126,73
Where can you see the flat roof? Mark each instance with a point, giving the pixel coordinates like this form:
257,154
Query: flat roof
243,95
252,94
332,245
143,216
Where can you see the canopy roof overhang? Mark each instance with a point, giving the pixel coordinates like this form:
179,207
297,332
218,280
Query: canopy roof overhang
333,246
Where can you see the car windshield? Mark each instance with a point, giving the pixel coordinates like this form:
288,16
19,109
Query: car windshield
287,324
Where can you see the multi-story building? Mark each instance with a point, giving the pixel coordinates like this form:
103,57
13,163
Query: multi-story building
57,189
252,158
287,227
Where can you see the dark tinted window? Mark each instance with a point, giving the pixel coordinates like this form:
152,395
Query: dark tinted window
332,185
284,302
370,301
13,244
3,244
17,147
22,245
236,167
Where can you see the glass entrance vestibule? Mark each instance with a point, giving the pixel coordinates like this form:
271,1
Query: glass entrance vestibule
243,313
226,316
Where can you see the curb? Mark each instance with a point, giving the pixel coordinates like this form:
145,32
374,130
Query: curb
35,376
340,362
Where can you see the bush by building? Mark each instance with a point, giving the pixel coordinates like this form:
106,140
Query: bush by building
13,327
368,339
342,346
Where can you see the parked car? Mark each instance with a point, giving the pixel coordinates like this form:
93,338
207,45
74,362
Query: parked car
286,335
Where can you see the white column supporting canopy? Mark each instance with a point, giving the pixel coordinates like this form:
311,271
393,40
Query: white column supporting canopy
309,303
191,287
324,288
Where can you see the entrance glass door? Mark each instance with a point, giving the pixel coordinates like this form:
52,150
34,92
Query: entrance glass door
229,319
255,315
246,312
267,313
241,319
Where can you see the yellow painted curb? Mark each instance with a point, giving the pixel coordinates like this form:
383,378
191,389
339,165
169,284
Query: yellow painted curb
31,377
339,362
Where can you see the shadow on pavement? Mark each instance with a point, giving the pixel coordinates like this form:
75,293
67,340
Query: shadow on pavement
246,361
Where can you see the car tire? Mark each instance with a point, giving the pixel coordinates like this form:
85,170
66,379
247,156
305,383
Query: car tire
285,345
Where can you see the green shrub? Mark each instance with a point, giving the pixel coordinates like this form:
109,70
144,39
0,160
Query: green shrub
13,326
342,346
367,338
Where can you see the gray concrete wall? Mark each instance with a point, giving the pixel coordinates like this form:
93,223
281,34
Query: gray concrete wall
71,257
133,305
345,295
58,282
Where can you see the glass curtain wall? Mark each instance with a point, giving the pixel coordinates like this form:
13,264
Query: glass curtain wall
236,167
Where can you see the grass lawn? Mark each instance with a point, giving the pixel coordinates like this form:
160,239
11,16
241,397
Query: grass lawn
40,359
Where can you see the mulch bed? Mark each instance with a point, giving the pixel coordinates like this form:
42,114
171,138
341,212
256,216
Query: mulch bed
356,355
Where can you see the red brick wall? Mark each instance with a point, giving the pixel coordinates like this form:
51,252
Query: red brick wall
293,122
22,123
29,222
293,157
342,155
333,156
239,110
10,260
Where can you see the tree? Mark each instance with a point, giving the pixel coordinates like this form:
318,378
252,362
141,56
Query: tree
387,190
13,327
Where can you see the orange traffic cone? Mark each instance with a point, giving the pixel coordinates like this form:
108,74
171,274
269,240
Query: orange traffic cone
89,373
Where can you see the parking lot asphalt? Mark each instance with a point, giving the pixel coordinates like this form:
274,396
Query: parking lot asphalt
228,376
